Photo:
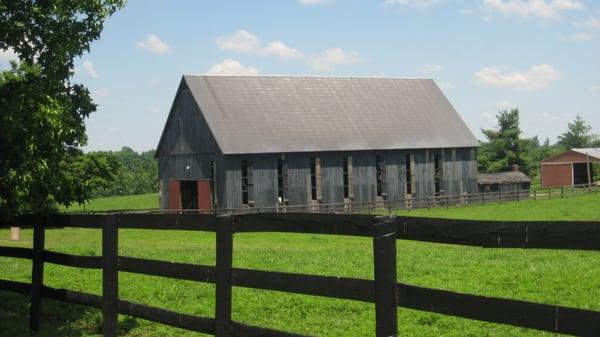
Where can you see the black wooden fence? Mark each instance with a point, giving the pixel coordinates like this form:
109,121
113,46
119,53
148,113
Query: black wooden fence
384,290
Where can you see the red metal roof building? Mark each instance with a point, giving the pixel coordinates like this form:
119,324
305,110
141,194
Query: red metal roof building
569,168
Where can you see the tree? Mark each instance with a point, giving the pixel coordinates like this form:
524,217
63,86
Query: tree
43,112
578,135
504,147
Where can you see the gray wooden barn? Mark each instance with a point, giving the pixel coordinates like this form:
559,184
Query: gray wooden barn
277,142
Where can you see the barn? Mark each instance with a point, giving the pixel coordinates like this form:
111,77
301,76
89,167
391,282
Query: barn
303,143
570,168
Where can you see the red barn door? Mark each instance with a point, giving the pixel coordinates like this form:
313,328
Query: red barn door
204,194
174,194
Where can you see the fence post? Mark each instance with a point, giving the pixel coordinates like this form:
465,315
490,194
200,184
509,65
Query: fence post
534,195
37,276
562,192
110,276
386,301
223,277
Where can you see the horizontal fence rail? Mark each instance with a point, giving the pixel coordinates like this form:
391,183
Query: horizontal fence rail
383,291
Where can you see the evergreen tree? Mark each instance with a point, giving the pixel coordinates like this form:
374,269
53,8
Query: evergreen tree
504,147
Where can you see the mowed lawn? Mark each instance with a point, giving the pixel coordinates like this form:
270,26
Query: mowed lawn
561,277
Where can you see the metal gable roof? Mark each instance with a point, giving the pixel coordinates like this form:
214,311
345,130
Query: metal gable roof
594,153
278,114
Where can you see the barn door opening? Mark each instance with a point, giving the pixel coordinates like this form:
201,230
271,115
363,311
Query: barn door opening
580,173
189,194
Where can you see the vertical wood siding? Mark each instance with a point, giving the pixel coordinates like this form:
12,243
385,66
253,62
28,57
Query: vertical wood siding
188,147
364,176
298,178
395,183
459,165
332,174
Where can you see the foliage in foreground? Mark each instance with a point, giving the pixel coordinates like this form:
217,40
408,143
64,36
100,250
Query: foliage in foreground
43,112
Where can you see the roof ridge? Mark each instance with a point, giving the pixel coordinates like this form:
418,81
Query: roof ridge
316,76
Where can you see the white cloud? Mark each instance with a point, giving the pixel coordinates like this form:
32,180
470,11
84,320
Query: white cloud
538,77
8,55
549,9
231,67
240,41
579,37
592,22
154,44
431,68
243,41
413,3
313,2
329,59
277,48
100,93
595,88
88,66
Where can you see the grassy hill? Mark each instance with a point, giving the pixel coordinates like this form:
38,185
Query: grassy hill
549,276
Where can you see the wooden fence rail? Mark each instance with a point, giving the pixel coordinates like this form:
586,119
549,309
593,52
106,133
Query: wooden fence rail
384,290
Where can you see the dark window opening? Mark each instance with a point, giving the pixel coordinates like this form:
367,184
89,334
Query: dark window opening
246,182
438,173
189,194
346,180
213,195
282,180
379,171
408,171
313,178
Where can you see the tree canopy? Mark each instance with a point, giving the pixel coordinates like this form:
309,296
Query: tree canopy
43,112
504,147
578,135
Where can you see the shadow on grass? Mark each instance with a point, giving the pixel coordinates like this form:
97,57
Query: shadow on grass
58,319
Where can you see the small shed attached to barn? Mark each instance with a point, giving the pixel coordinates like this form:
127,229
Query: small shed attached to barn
513,184
570,168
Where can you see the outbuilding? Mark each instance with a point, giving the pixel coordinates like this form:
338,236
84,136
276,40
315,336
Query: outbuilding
509,185
570,168
303,143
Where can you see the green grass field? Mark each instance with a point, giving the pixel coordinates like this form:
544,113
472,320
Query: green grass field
549,276
138,201
584,207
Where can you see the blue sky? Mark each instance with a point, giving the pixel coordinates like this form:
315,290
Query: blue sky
542,56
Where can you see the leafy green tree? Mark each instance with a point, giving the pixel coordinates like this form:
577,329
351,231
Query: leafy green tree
137,174
504,147
87,173
43,112
578,135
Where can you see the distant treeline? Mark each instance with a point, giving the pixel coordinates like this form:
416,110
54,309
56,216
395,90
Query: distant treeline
133,173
